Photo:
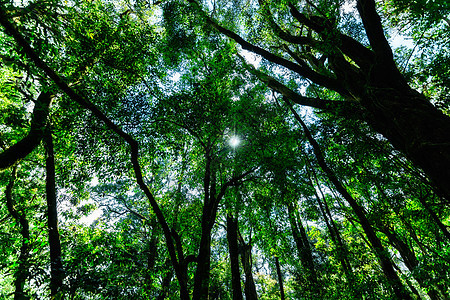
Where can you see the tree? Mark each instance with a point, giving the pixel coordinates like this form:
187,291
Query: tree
127,111
368,78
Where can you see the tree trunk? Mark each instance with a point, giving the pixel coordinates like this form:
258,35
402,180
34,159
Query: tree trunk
202,273
280,278
56,268
415,127
233,248
342,250
404,116
246,259
22,272
303,248
210,208
407,254
152,253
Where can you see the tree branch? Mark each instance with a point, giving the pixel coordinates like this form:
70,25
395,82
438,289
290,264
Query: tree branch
362,56
300,40
25,146
234,181
317,78
374,30
319,103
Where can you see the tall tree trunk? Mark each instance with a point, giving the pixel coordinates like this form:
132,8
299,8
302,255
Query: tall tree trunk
380,252
56,267
233,249
202,273
280,278
152,253
303,248
246,259
342,250
210,208
22,272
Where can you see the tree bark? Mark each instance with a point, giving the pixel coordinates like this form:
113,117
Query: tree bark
202,273
280,278
233,249
22,272
56,267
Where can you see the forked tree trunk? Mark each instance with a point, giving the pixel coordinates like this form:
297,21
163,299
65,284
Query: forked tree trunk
246,259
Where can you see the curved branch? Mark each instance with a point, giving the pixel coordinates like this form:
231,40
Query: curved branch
300,40
25,146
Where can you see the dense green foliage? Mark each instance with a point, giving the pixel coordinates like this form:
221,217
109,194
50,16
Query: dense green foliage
335,185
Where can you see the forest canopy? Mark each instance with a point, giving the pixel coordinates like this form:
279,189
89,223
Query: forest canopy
210,149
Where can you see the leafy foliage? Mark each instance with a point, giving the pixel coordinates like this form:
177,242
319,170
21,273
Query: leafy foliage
180,85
